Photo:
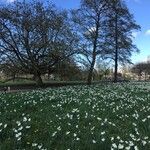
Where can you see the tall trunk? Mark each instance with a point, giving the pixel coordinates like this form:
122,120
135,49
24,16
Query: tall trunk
14,76
145,75
48,77
38,80
116,46
90,75
139,77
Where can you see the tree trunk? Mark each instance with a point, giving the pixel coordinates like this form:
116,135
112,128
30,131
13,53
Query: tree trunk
90,75
38,80
145,76
14,76
116,67
116,48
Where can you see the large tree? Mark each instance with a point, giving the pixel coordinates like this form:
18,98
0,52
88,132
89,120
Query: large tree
88,20
119,26
35,37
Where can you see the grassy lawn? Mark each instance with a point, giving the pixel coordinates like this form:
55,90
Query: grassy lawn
97,117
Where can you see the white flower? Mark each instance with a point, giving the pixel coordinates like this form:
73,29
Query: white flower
25,119
102,133
19,134
102,124
34,144
148,116
20,128
120,146
5,125
144,143
105,120
94,141
39,146
136,148
131,143
103,139
99,118
18,123
131,135
77,139
92,128
144,120
114,145
121,141
67,132
134,124
19,139
27,127
59,128
54,134
146,137
127,148
112,138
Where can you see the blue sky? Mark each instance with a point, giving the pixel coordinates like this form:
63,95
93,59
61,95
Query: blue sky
140,10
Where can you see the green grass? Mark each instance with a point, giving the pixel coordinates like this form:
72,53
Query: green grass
93,117
33,83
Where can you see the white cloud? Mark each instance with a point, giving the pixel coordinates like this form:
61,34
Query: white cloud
10,1
147,32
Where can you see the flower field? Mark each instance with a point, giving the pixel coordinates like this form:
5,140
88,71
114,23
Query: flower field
96,117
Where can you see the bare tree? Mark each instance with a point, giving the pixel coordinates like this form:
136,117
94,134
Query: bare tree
88,19
140,69
35,37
